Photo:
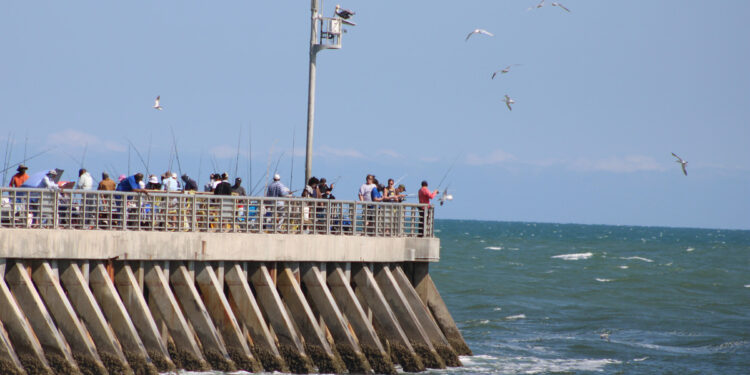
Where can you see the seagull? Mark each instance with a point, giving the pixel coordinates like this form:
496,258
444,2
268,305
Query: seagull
561,6
541,4
504,70
508,101
343,13
445,197
478,31
156,103
683,163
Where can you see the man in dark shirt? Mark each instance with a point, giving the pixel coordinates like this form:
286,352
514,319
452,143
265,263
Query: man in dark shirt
237,188
190,184
224,187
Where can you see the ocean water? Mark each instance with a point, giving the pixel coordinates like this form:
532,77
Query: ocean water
584,299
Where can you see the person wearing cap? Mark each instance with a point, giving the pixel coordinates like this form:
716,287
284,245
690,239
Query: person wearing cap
85,181
237,187
153,183
20,177
400,193
277,189
189,183
48,182
106,183
224,187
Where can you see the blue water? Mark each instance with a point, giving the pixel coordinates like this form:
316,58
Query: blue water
553,298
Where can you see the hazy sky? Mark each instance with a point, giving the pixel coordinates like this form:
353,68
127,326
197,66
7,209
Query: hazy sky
603,95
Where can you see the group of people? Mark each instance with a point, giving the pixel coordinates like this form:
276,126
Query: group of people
373,191
315,188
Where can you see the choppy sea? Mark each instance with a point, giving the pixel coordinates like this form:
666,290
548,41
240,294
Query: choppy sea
594,299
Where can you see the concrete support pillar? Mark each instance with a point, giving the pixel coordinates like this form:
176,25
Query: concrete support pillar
248,312
325,305
86,307
84,350
116,314
186,353
9,362
438,340
315,341
343,294
195,311
370,295
290,344
223,318
28,348
132,298
406,317
55,349
430,296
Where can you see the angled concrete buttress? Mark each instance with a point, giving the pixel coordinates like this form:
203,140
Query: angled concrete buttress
22,337
224,320
430,296
137,308
290,344
117,316
84,350
186,348
345,298
369,293
9,362
248,312
316,344
195,311
87,308
434,333
322,300
406,317
56,351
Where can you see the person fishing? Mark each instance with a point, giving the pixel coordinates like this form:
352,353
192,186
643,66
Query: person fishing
425,195
19,178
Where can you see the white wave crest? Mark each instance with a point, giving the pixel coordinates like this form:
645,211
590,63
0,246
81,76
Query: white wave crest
532,365
637,258
603,280
494,248
689,249
577,256
515,317
747,285
624,267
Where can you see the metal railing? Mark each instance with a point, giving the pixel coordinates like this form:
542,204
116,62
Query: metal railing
198,212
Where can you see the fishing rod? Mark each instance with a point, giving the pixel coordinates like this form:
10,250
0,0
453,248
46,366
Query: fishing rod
139,157
8,154
83,157
258,183
268,164
176,153
29,158
249,155
399,180
148,154
276,167
237,158
200,166
448,171
291,173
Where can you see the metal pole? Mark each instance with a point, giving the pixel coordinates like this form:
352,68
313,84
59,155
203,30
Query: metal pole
311,89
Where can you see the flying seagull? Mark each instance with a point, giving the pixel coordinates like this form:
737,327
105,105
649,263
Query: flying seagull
504,70
683,163
344,13
445,197
478,31
508,101
541,4
156,103
561,6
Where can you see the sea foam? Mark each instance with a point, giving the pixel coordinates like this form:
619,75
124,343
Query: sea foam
637,258
515,317
577,256
494,247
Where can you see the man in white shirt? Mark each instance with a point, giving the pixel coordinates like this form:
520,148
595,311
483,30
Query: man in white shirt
85,181
365,191
48,181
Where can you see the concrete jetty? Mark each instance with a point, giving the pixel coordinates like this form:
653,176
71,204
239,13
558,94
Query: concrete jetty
119,283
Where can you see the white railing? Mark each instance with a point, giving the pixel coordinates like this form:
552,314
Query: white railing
200,212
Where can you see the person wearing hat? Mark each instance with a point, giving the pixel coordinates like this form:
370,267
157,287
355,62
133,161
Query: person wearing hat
106,183
48,181
20,177
400,193
224,187
153,183
237,187
277,189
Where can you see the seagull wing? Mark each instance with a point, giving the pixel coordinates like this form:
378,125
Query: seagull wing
494,74
679,159
485,32
471,33
561,6
507,103
683,168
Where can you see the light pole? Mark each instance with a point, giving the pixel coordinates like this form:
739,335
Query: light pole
325,33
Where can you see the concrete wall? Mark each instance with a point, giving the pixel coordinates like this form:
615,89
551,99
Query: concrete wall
142,245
